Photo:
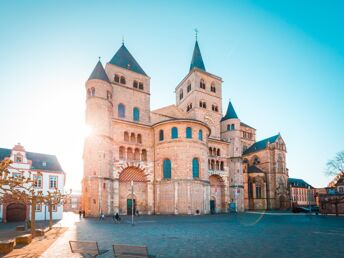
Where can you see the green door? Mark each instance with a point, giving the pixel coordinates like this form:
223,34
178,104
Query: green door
212,206
129,206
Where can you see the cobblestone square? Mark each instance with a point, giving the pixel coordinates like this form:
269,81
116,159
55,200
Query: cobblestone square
242,235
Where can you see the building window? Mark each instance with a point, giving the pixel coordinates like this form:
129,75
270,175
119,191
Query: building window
195,168
52,181
122,80
54,208
174,133
135,84
189,107
93,91
121,110
214,108
188,132
38,207
218,152
141,86
181,94
222,166
116,79
108,95
167,169
132,138
144,155
202,84
258,191
44,163
256,161
189,88
136,114
200,135
202,104
126,136
139,138
121,153
161,135
19,158
37,181
136,154
212,88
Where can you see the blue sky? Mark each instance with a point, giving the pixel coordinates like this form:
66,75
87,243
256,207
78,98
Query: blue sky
282,63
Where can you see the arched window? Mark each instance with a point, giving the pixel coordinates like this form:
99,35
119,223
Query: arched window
167,169
93,91
218,152
174,133
188,132
212,164
161,135
210,151
202,84
195,168
139,138
256,160
232,127
141,86
189,87
130,154
121,152
181,94
258,191
137,154
132,138
144,155
126,136
136,114
122,80
213,88
135,84
121,110
200,135
217,165
108,95
116,79
222,166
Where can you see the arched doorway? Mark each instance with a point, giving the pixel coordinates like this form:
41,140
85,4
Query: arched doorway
217,192
139,200
15,212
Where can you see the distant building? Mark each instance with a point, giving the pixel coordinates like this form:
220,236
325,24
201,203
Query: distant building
332,202
73,204
52,177
301,193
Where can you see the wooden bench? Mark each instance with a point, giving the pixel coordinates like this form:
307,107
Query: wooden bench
86,248
7,246
24,239
130,251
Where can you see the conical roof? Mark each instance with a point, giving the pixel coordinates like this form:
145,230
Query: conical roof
99,73
124,59
197,61
230,114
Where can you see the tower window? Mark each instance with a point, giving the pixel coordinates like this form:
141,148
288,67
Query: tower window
122,80
181,94
202,84
189,88
116,78
214,108
230,127
136,114
161,135
188,132
189,107
167,169
202,104
121,110
195,168
174,133
139,138
108,95
126,136
144,155
141,86
93,91
88,93
258,191
200,135
135,84
213,88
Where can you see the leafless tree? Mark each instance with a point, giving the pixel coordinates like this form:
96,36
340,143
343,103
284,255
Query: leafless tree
335,166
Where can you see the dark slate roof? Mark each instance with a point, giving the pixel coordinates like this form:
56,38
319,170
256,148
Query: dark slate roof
295,182
124,59
230,112
261,145
197,61
52,164
254,169
99,73
246,125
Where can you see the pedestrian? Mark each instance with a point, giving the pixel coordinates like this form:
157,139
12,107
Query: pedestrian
137,213
80,213
117,217
83,214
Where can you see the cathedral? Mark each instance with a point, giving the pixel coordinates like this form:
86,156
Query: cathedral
185,158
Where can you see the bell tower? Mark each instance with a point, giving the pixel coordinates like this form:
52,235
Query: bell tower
200,93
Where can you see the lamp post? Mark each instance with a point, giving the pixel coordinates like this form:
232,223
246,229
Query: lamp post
132,202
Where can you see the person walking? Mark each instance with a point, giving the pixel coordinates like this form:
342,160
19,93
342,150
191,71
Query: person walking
83,214
80,213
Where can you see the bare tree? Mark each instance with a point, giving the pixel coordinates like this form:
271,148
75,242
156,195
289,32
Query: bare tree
335,166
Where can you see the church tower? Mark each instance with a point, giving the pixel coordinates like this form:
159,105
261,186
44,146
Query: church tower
97,148
230,132
200,93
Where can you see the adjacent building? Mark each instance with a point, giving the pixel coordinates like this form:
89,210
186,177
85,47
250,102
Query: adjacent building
332,202
73,204
186,158
48,175
301,193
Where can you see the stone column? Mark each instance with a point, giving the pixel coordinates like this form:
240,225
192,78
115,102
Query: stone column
116,196
150,198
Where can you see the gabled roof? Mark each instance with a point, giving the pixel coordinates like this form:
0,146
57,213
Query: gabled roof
257,146
295,182
230,114
197,60
171,111
99,73
254,169
52,164
246,125
124,59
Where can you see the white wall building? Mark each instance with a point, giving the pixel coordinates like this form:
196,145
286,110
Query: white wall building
51,177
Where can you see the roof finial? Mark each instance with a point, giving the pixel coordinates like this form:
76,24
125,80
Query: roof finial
196,33
99,57
122,39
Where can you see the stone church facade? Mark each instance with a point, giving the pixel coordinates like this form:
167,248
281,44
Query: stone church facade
186,158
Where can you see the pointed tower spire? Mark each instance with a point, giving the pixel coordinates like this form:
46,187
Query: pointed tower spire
230,114
99,73
197,61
